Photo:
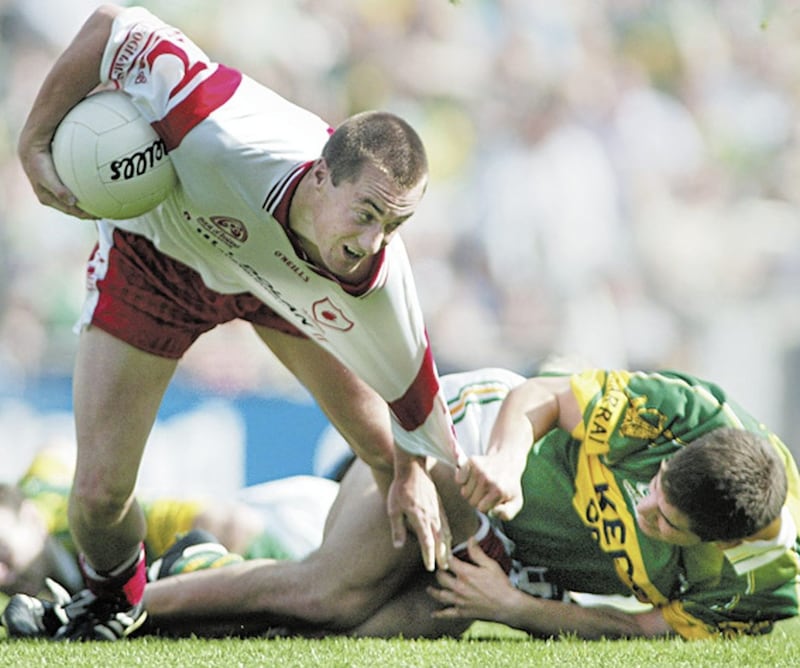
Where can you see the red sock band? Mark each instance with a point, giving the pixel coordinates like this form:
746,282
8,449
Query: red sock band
129,582
490,543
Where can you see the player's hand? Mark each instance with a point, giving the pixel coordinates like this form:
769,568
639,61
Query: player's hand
37,161
478,590
491,484
413,499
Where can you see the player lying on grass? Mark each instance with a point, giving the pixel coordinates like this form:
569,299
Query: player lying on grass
654,485
281,519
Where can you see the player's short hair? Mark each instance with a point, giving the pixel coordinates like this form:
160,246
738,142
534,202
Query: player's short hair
380,138
730,483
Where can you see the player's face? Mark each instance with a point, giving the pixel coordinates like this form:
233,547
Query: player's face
661,520
22,541
357,219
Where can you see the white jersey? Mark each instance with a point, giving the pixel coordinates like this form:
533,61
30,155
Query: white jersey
239,150
473,400
294,510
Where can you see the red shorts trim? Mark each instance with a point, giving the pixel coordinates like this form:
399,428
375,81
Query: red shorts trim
160,305
490,542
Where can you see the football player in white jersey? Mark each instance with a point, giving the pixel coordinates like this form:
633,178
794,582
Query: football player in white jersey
276,219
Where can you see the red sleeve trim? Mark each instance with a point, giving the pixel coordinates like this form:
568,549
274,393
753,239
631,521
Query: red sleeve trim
414,407
210,95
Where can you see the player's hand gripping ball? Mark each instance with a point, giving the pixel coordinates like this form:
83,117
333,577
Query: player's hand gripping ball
111,159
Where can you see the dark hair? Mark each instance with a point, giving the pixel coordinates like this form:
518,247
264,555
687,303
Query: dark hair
381,138
730,483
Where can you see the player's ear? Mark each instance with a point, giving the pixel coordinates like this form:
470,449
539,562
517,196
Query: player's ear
320,172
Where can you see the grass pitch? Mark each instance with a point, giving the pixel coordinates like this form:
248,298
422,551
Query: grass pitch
484,646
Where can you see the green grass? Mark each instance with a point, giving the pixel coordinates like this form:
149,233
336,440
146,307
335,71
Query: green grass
484,646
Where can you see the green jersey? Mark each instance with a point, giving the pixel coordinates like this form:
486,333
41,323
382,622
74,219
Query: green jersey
581,490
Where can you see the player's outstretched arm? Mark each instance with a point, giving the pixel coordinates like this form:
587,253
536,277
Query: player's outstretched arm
73,76
414,499
362,418
483,591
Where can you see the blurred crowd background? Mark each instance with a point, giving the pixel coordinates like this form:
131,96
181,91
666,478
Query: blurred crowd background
617,180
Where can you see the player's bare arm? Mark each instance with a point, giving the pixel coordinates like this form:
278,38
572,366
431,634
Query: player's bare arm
491,482
482,591
362,417
75,74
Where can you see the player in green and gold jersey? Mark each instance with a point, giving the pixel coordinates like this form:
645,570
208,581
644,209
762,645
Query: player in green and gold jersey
652,485
610,509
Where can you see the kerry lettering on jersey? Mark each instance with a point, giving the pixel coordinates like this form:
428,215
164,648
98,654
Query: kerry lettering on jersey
601,505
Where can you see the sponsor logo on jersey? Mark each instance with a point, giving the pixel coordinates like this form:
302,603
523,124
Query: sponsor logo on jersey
299,316
232,233
229,231
328,314
289,262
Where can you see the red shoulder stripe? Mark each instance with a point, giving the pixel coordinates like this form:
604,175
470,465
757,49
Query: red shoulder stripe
414,407
211,94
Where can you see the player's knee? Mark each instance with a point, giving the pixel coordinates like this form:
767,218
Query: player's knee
332,600
99,504
339,607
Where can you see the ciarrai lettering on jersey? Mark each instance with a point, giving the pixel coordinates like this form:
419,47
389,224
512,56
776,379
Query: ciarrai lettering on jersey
606,416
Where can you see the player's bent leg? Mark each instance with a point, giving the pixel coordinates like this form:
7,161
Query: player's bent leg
353,573
357,568
117,393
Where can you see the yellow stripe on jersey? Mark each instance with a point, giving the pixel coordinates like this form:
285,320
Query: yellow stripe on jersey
690,627
792,476
601,506
686,625
475,393
595,431
166,518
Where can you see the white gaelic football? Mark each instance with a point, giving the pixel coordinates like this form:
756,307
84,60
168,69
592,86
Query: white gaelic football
111,158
